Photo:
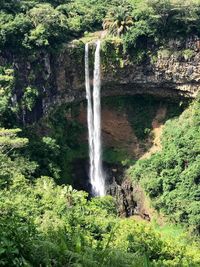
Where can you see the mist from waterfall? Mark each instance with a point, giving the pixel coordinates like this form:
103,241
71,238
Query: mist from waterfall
94,122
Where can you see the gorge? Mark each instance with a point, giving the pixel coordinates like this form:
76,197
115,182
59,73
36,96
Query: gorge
151,86
99,133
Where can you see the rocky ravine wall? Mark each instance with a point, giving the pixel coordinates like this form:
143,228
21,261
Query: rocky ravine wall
60,77
171,75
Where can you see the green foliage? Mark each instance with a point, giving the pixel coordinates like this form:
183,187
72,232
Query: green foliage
59,147
13,30
174,16
49,26
188,54
11,163
171,177
84,15
156,22
118,20
10,141
112,51
141,239
11,103
46,152
29,97
114,155
66,133
44,224
138,35
49,225
29,25
6,93
40,26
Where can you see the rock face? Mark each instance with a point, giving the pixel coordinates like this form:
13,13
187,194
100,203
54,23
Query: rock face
117,186
172,75
123,193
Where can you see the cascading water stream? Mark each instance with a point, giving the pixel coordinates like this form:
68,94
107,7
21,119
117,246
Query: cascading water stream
89,113
94,122
99,181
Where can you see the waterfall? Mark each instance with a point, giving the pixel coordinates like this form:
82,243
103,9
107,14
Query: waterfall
98,182
94,123
89,113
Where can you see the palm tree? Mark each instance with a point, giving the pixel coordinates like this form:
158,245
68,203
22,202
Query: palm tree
118,21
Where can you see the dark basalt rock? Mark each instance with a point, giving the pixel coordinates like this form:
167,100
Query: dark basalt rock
123,193
117,186
59,77
168,77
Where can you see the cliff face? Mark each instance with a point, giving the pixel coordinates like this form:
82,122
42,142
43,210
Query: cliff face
171,75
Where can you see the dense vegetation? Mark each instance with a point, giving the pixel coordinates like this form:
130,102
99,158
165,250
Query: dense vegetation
43,223
171,177
29,25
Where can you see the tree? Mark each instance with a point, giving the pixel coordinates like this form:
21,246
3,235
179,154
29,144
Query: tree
118,21
6,93
50,27
11,163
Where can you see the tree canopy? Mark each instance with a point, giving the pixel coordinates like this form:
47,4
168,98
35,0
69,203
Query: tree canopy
26,25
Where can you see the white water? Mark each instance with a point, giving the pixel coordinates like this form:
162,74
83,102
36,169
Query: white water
89,113
94,122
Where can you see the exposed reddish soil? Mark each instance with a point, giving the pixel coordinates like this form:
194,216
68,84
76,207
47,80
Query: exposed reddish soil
118,133
157,125
116,130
